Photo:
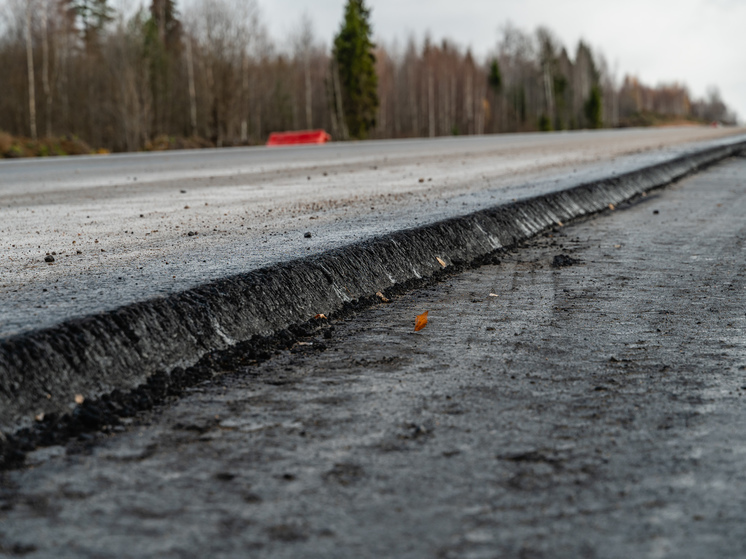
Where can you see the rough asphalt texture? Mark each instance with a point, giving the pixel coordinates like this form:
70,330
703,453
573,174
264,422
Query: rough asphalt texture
43,372
589,409
120,225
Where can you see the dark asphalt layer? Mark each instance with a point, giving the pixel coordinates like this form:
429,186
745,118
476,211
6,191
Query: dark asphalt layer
594,409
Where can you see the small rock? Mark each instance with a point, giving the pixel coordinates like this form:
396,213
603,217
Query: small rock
563,260
49,258
307,234
656,212
182,191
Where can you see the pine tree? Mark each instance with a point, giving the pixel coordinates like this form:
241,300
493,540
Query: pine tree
354,61
495,78
165,18
593,108
91,15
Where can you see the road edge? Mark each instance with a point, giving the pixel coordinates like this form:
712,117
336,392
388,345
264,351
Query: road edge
42,371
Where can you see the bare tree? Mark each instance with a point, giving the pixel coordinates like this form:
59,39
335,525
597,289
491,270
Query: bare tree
30,67
304,45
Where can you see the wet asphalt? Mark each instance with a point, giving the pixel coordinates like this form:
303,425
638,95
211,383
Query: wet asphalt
583,398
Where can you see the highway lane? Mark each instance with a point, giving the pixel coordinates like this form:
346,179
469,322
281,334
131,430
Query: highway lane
592,409
126,227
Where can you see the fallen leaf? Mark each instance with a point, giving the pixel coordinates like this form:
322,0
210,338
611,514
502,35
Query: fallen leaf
39,417
441,261
318,316
304,343
494,295
79,399
612,207
382,297
421,321
560,224
617,246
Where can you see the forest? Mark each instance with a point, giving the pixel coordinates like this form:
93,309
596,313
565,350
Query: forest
81,75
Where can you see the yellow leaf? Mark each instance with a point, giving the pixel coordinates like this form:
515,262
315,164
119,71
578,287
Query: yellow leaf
611,207
421,321
319,316
79,399
441,261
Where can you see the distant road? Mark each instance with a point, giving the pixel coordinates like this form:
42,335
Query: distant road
120,225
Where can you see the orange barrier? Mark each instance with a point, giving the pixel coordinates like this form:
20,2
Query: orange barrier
299,137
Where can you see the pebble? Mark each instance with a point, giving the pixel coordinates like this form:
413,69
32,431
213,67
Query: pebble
49,258
307,234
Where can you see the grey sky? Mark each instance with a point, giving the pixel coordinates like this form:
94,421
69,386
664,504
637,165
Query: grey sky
699,42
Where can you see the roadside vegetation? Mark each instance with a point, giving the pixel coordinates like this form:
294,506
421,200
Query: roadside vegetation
79,73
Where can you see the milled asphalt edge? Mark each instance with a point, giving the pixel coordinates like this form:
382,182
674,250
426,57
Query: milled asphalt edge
42,371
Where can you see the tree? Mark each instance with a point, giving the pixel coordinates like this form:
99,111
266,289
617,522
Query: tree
92,16
162,37
165,19
303,43
30,71
495,78
354,66
593,108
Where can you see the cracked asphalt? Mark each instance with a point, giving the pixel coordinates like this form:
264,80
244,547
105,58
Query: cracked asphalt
583,398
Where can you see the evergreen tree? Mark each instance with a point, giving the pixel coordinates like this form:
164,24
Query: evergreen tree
593,108
354,61
495,78
91,15
164,18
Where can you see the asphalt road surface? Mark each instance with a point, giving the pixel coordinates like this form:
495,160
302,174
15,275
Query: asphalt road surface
127,227
583,398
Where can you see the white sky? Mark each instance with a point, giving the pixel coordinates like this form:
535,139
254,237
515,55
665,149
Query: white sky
699,42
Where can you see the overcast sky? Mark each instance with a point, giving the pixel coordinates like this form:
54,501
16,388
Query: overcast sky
699,42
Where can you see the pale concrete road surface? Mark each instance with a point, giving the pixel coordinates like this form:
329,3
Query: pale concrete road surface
594,409
120,225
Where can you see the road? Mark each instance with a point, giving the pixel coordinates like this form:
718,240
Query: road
590,409
122,228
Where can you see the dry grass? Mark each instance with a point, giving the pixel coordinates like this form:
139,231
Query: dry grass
23,147
6,141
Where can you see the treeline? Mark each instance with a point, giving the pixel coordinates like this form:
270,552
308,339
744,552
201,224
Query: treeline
158,78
